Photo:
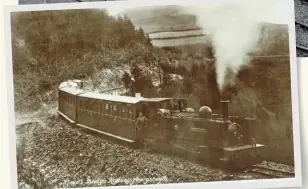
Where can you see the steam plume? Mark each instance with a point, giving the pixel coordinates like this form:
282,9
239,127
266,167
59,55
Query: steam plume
233,34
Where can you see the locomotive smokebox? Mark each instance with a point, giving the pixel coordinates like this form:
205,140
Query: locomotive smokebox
225,110
205,112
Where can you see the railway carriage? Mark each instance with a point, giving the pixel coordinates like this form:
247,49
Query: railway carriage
172,127
67,102
111,115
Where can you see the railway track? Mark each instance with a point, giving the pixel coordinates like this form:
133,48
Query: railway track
305,2
301,7
270,172
301,51
301,24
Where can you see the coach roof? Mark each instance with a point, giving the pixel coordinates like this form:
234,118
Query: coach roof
71,90
155,99
123,99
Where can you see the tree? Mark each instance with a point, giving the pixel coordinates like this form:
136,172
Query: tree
126,79
141,81
194,70
187,85
136,72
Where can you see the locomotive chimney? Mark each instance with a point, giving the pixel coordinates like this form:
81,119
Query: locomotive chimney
224,110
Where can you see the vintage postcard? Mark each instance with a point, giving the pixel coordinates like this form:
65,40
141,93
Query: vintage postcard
165,93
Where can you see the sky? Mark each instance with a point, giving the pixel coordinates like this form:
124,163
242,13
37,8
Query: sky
273,11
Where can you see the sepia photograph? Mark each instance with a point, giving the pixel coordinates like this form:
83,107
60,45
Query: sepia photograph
151,93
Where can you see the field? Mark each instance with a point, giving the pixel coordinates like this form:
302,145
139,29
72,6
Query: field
174,34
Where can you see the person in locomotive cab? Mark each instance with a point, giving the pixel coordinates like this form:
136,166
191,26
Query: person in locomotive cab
141,125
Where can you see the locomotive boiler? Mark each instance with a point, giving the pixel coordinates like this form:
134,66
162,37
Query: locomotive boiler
172,126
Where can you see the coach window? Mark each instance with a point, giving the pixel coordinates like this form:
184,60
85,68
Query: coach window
120,110
114,110
118,113
87,104
84,103
129,112
96,106
123,111
93,106
73,100
101,107
90,104
117,110
132,116
81,103
109,109
107,106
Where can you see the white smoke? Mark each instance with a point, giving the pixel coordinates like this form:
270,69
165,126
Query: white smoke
234,29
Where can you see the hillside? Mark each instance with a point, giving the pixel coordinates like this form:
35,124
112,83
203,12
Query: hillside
173,25
161,18
69,46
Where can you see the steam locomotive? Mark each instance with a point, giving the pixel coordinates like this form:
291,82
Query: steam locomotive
172,126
